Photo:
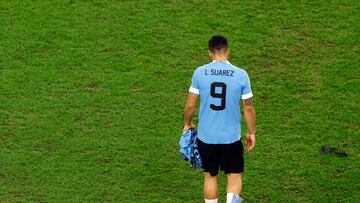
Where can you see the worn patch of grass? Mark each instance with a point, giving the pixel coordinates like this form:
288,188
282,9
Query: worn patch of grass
92,94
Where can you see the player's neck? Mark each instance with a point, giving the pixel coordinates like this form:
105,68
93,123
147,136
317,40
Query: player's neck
219,58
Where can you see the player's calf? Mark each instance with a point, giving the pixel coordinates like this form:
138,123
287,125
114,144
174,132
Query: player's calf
234,187
210,188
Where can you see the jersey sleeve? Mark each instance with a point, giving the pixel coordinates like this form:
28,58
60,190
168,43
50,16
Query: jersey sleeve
246,90
194,87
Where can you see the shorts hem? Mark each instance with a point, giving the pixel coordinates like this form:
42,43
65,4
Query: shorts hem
233,171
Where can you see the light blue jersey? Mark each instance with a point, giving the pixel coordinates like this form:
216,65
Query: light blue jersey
220,85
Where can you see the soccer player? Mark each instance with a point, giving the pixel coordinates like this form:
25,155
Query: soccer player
220,86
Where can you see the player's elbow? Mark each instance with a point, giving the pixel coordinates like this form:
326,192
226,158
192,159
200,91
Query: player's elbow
249,108
191,107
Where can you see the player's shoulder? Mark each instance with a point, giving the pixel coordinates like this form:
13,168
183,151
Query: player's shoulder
239,70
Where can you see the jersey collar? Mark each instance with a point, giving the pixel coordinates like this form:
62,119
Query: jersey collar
221,61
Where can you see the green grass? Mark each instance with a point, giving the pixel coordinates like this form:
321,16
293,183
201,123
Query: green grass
92,95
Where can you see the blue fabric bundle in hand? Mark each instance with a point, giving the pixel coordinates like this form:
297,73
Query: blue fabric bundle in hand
189,149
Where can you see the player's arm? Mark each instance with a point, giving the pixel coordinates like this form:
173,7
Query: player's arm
250,117
190,110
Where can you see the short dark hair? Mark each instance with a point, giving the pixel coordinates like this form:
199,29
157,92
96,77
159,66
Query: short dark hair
217,43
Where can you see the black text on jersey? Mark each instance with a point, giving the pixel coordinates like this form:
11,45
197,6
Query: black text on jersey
220,72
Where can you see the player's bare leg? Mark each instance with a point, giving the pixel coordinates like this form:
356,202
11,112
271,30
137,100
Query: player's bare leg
234,186
210,187
234,183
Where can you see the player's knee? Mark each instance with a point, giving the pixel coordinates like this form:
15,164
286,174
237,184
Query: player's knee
234,177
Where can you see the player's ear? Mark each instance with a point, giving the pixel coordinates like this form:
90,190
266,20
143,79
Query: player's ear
210,54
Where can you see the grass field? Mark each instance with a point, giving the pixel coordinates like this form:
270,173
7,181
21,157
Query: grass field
92,95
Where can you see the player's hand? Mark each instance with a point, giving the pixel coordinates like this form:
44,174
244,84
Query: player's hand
250,142
187,127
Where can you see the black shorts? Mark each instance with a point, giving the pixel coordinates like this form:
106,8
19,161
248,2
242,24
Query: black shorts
229,157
